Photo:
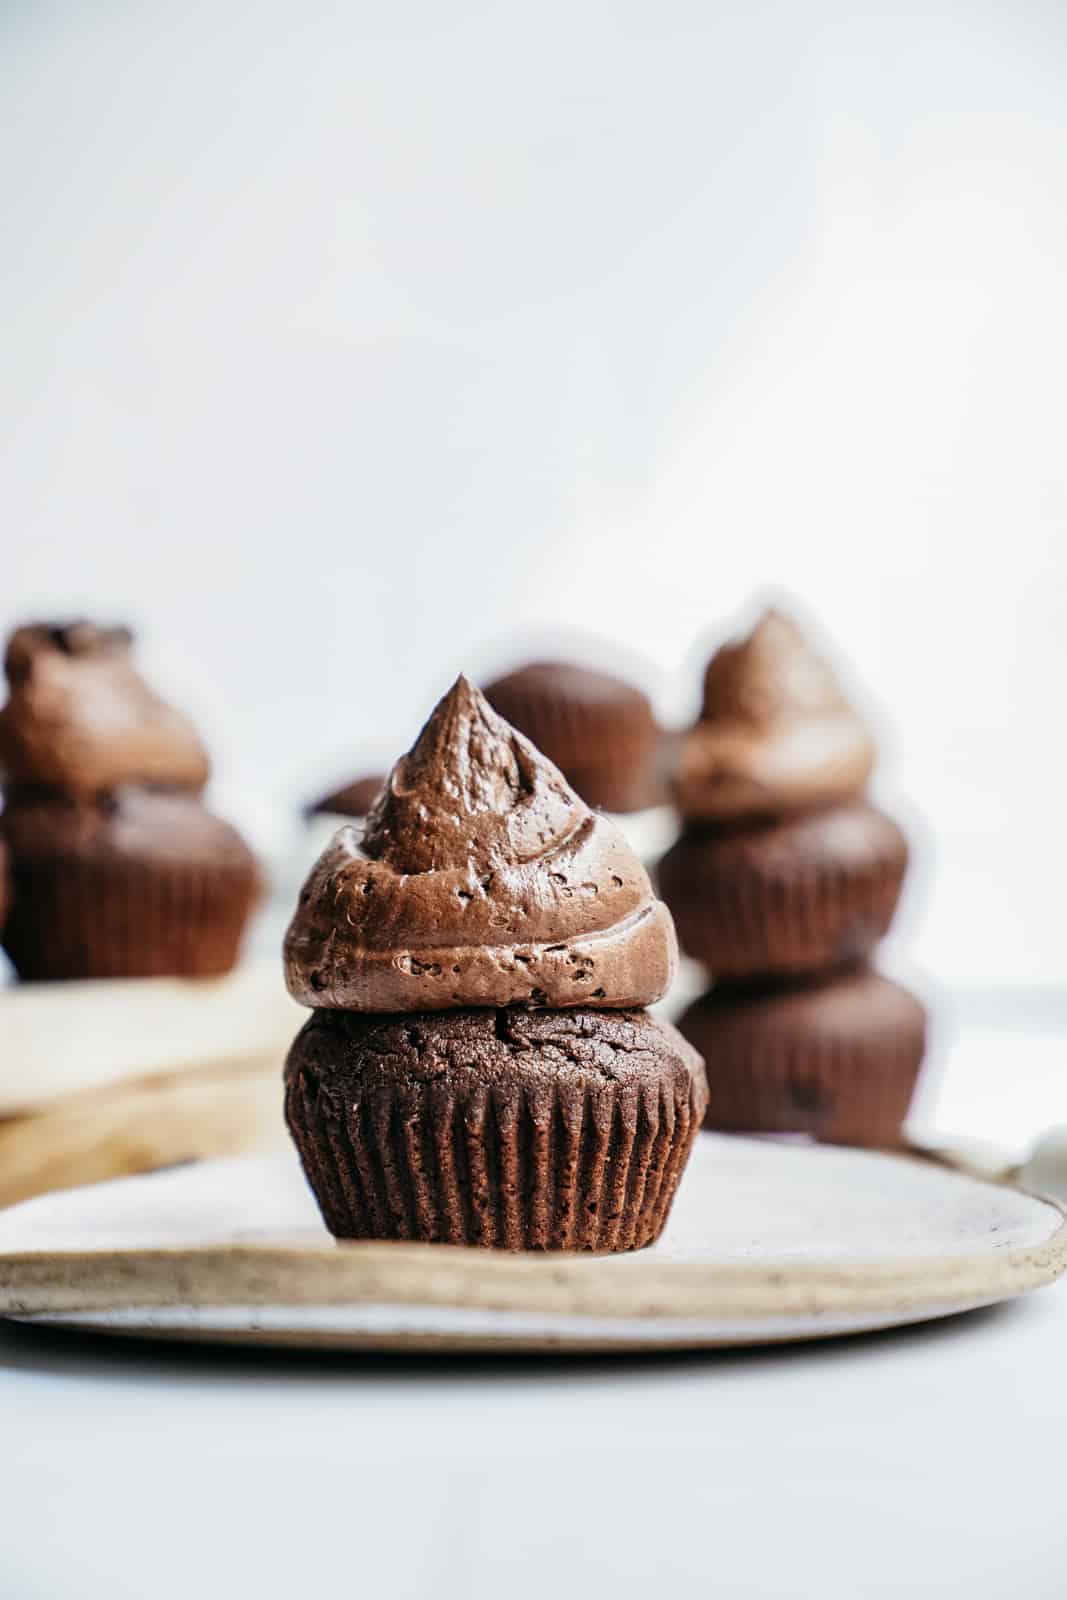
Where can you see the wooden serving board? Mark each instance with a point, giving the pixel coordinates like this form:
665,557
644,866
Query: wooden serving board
769,1240
216,1109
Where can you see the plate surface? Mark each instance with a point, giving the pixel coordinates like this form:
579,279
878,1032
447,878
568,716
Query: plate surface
768,1240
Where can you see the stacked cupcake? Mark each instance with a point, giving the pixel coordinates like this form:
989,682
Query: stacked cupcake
478,1067
119,872
782,883
118,869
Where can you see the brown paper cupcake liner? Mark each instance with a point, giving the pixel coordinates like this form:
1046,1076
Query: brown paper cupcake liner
839,1061
789,898
121,918
544,1158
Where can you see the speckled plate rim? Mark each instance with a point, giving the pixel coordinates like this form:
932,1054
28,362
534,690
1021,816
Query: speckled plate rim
434,1330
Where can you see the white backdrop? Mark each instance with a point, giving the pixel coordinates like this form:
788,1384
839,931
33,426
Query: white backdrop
345,344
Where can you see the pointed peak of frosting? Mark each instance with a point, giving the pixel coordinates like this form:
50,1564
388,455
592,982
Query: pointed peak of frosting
80,640
772,674
466,753
776,733
471,788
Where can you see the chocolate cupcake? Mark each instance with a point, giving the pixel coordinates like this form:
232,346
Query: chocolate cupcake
781,866
838,1059
598,730
118,869
478,1067
783,871
526,1130
812,893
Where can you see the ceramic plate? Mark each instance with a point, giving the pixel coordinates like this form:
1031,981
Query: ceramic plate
769,1240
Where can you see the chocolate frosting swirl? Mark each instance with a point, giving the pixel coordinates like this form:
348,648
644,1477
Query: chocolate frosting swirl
481,880
80,719
776,733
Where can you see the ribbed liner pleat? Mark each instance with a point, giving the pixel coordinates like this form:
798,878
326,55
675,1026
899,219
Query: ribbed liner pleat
450,1222
822,918
588,1165
623,1137
77,919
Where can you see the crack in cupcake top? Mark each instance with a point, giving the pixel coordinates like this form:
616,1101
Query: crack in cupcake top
481,879
776,731
79,717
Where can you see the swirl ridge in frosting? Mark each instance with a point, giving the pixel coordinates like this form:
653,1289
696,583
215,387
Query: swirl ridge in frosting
776,732
79,717
481,879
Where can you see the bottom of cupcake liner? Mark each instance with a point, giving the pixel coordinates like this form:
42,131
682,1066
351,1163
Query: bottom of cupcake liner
127,919
744,917
781,1062
590,1164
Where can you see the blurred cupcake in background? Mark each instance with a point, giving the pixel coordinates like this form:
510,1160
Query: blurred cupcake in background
783,882
310,829
602,734
5,884
118,869
351,801
345,806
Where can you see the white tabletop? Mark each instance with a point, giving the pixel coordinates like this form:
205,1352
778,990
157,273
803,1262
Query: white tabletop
925,1462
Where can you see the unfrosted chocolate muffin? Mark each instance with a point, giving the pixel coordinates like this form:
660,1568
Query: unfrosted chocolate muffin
478,1066
525,1130
118,868
812,892
133,883
597,729
838,1059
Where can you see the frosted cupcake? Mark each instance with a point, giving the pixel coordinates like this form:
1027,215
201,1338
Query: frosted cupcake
479,1067
118,869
